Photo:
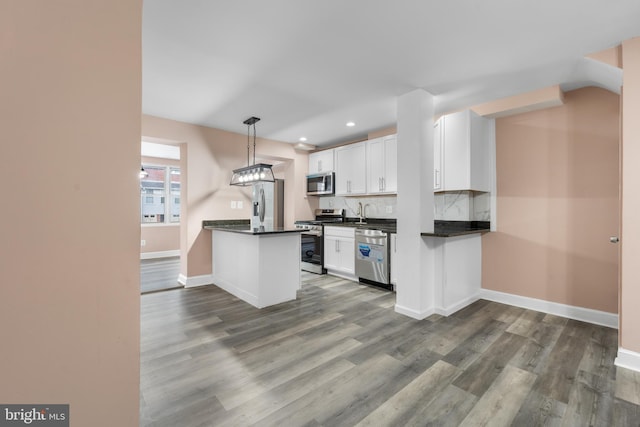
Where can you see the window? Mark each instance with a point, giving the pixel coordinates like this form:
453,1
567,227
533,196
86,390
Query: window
161,185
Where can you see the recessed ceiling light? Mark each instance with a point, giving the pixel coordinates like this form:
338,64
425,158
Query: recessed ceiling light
351,124
302,139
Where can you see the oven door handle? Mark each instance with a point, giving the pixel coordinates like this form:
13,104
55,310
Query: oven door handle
312,233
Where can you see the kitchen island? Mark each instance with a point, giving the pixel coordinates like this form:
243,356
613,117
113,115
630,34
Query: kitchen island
258,265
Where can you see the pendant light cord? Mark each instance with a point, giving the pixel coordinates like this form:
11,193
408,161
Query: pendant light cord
248,140
254,143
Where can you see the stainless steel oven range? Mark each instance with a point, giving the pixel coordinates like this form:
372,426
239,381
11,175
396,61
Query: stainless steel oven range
312,248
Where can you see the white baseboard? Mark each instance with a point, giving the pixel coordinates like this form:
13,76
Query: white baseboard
419,315
448,311
190,282
236,291
577,313
162,254
628,359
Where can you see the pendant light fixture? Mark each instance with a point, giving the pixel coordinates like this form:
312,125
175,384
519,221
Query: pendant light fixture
258,172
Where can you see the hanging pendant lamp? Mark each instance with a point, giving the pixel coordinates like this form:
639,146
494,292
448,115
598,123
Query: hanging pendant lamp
257,172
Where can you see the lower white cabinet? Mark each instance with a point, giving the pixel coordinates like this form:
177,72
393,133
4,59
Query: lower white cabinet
339,251
457,271
393,259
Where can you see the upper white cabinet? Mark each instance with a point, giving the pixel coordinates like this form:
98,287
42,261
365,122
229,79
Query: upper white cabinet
461,152
382,165
351,169
321,161
437,155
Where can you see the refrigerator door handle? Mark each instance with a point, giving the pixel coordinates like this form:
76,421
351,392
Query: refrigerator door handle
263,204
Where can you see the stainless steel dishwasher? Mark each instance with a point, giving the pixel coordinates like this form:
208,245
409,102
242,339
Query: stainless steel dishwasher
372,257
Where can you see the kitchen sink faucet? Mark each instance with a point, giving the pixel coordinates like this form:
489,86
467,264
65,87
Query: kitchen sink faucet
362,213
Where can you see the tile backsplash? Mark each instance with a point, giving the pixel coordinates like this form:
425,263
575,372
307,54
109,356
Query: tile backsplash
462,206
448,206
376,207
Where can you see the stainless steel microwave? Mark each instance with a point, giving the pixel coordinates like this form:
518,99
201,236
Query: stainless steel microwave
321,184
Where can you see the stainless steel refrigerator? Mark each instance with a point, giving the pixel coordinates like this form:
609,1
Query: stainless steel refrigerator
268,204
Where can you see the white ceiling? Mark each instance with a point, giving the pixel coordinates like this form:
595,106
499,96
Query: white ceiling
307,67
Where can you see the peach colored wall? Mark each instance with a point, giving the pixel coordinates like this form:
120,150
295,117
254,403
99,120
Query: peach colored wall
539,99
630,239
70,78
382,132
612,56
557,179
160,238
212,154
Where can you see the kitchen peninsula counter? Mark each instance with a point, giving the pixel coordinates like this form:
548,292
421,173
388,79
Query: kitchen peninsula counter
245,228
457,253
260,266
457,228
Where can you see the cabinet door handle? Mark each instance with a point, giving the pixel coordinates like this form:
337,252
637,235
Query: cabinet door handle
384,184
319,165
614,239
337,245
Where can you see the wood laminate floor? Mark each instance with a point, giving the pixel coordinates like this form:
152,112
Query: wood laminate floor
340,356
158,274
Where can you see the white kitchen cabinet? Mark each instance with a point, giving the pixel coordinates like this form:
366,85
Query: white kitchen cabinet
437,155
393,258
339,251
321,161
382,165
463,146
457,271
351,169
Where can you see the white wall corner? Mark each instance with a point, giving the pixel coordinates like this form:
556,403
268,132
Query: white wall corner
628,359
588,315
459,305
419,315
190,282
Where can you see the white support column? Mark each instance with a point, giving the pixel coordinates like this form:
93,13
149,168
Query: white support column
415,288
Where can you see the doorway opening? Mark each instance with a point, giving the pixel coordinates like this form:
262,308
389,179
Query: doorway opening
160,216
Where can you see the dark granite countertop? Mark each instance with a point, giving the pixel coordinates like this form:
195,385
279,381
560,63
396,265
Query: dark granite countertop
382,224
441,228
457,228
243,226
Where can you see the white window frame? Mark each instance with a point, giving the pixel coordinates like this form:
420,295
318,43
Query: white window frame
167,195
